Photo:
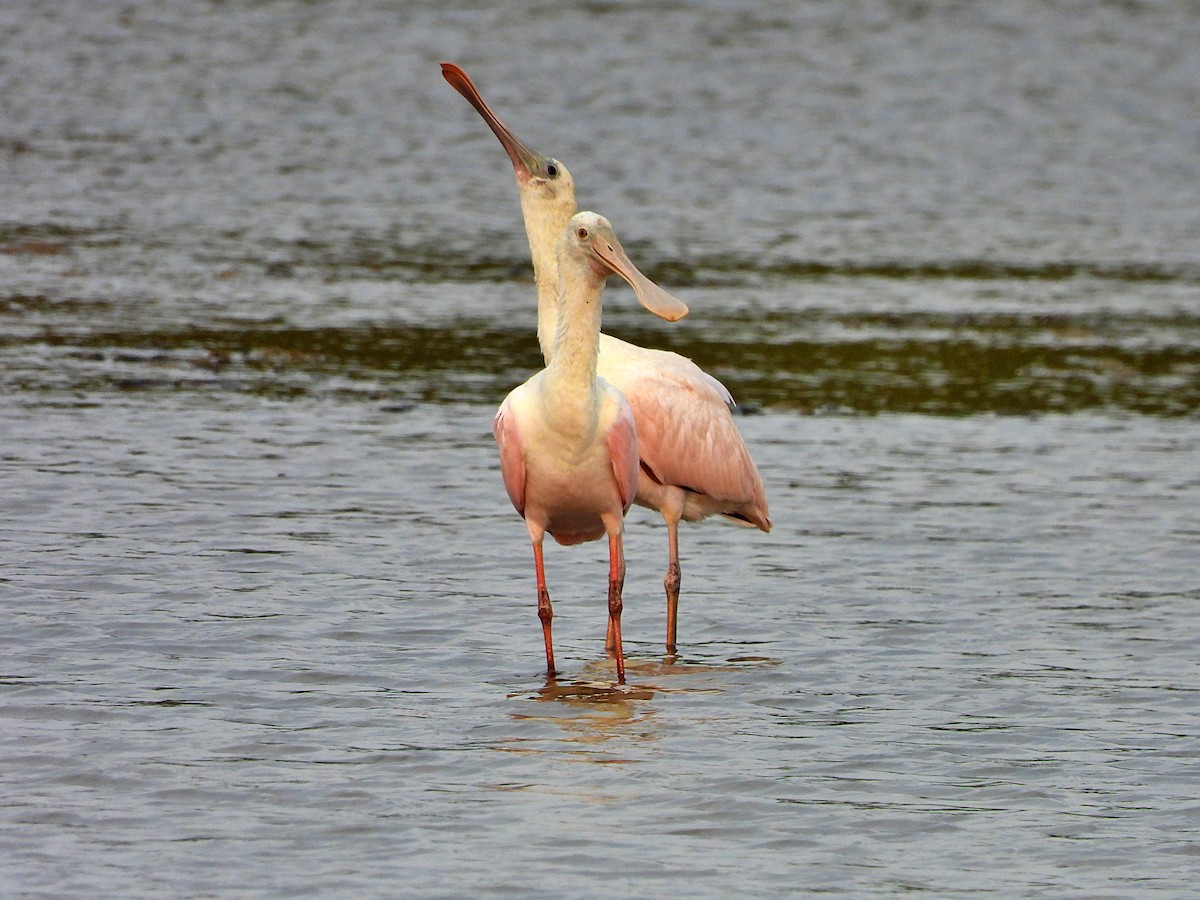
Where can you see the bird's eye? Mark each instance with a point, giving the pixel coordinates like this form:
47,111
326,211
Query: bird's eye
583,233
552,170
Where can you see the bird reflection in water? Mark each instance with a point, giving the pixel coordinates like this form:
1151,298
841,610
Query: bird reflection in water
589,713
590,709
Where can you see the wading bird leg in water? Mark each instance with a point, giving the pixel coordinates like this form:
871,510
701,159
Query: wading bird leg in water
545,610
671,583
616,584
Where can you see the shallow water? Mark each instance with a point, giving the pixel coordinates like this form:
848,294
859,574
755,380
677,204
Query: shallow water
268,620
244,643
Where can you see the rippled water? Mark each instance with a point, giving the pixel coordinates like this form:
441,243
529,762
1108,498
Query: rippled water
268,620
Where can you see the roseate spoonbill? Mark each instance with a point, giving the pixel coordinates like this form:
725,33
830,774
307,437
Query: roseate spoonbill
568,443
694,462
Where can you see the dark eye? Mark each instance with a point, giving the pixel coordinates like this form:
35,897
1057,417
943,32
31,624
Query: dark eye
552,170
583,233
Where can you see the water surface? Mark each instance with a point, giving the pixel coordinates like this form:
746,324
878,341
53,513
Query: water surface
267,621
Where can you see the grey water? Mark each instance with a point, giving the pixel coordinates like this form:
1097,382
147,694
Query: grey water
267,620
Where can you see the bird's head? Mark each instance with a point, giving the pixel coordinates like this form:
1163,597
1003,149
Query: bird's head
541,180
589,238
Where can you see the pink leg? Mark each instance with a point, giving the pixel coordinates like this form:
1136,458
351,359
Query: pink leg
610,639
545,612
616,581
672,582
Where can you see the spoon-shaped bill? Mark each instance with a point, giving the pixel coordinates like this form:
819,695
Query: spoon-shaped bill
611,254
523,159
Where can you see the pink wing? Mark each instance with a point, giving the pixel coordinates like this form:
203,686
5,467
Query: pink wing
623,448
512,457
686,433
693,444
